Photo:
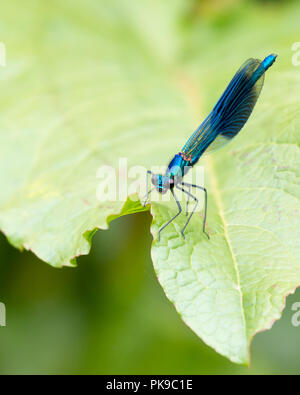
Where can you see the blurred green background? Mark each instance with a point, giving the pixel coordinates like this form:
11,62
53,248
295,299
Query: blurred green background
110,315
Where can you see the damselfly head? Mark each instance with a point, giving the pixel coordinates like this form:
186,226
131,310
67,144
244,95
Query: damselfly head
161,183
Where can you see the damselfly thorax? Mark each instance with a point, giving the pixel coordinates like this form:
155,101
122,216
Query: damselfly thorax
176,170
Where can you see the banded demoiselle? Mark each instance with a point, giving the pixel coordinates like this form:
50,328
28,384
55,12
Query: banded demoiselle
224,122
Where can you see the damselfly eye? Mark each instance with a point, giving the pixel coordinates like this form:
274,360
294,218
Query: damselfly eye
154,179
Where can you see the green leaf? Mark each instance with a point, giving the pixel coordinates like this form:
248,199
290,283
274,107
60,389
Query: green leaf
84,86
90,82
234,285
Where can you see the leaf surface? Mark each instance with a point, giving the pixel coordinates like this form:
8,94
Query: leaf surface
88,83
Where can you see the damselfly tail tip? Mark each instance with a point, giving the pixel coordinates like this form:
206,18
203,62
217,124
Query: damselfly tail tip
273,56
268,61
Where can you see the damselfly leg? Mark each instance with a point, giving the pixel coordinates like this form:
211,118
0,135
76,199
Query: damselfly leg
205,205
147,187
188,201
194,208
172,219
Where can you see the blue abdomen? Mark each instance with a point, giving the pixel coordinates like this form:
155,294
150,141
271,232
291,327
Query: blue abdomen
265,64
268,61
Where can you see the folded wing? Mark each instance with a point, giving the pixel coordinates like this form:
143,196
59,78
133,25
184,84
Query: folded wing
230,113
